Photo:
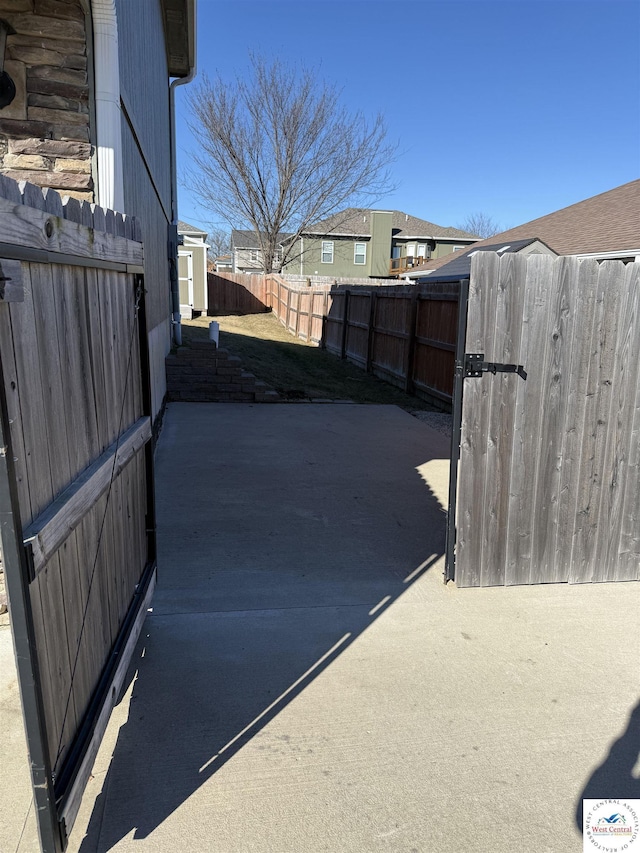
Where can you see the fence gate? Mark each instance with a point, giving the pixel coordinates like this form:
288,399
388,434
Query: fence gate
547,484
76,488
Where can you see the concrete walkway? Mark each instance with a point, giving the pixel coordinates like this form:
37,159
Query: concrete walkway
307,683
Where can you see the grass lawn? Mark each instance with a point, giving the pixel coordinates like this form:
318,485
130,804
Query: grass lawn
297,370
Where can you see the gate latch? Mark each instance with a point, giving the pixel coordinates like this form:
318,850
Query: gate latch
475,365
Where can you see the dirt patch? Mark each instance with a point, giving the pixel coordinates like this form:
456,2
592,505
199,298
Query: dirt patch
297,370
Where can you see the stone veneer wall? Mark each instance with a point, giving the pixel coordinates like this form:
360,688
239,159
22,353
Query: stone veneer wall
44,133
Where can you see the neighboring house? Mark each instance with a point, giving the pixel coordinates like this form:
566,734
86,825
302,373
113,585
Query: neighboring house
92,118
192,270
604,227
360,242
246,253
459,266
223,263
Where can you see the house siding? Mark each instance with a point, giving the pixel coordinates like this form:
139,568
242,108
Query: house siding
146,160
381,229
45,135
242,261
446,248
343,265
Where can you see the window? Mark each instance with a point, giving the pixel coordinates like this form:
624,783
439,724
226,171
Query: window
253,255
457,248
360,253
422,250
327,252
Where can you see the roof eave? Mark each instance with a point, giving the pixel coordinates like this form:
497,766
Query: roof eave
179,18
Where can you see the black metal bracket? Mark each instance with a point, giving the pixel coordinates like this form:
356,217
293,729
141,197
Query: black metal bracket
475,365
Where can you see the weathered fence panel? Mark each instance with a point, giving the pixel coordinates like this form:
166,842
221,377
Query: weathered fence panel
236,293
549,482
75,394
300,307
404,334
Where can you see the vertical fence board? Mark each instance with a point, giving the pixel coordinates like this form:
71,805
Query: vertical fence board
32,403
96,345
526,427
109,351
475,426
553,361
596,425
618,415
48,589
629,536
506,308
51,369
12,394
585,287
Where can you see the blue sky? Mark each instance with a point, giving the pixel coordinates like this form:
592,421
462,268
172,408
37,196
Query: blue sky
514,108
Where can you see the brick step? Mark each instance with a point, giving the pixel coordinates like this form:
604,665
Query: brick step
202,372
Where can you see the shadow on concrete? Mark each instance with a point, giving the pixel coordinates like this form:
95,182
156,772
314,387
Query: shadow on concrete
618,777
264,583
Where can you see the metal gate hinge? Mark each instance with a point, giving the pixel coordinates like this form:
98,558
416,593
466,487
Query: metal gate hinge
475,365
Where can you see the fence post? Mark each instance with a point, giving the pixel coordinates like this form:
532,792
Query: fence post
411,343
312,296
345,322
298,308
325,314
373,299
286,313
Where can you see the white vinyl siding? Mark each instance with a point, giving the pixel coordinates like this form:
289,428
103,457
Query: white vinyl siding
326,254
360,253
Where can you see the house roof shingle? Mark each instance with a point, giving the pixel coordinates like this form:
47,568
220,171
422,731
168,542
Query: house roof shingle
608,222
459,263
249,239
356,222
185,228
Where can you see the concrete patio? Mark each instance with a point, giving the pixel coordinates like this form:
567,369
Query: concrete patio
306,682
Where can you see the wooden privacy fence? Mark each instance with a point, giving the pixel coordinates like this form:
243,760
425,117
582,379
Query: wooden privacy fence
549,470
76,498
301,309
404,334
237,293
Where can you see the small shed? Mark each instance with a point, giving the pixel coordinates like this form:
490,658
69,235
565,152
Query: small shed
192,270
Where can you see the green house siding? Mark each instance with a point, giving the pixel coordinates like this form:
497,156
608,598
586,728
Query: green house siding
343,264
443,249
381,223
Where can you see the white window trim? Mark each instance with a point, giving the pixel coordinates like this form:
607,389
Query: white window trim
363,253
324,243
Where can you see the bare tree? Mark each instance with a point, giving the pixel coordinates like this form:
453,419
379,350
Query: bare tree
219,241
278,152
481,224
